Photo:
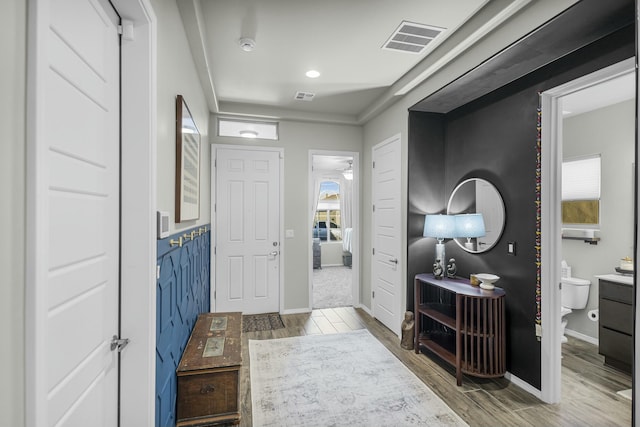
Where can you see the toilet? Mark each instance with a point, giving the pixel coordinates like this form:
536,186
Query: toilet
574,295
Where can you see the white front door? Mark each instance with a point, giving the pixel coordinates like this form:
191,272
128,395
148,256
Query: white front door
73,209
247,230
387,234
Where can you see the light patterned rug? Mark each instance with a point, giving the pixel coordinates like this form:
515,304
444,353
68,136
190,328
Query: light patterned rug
348,379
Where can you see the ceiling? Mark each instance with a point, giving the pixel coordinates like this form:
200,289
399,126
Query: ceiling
603,94
341,39
331,164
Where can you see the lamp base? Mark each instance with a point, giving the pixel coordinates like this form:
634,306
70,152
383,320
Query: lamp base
438,265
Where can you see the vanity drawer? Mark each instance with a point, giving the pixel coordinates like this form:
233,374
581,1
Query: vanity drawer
616,315
616,291
615,345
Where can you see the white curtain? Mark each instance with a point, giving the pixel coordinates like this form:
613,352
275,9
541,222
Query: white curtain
346,203
317,180
346,209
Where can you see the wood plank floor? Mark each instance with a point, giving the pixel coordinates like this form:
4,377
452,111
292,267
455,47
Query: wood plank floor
589,389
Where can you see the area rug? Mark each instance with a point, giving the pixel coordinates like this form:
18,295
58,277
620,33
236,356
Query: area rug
348,379
261,322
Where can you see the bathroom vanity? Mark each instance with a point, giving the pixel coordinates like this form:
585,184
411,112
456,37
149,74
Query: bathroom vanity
615,328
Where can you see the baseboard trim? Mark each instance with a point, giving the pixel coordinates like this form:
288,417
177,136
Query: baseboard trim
523,385
581,336
296,311
365,309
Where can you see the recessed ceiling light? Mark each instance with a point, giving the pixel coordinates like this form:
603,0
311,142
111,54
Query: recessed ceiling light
313,74
248,134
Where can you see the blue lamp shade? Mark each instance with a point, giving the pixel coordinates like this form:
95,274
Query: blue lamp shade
469,225
439,226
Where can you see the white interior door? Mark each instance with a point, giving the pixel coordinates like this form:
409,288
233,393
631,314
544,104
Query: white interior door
73,265
387,222
247,230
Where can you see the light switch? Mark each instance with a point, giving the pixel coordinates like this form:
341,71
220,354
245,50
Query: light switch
511,248
289,234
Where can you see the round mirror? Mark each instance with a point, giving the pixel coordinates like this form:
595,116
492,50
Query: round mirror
480,211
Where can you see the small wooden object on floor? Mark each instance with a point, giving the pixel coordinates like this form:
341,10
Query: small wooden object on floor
209,372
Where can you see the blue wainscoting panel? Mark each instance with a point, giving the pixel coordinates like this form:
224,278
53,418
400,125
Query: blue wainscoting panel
182,293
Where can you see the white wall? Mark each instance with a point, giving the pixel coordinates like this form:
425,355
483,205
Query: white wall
177,76
610,132
12,210
297,138
331,254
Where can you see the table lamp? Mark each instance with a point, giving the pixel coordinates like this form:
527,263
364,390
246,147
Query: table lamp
441,227
469,226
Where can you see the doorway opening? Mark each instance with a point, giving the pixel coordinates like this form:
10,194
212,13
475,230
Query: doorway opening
592,251
334,201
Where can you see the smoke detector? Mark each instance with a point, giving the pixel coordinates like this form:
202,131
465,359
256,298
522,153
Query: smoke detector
247,44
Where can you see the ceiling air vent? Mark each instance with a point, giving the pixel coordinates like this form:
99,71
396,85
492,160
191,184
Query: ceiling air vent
304,96
411,37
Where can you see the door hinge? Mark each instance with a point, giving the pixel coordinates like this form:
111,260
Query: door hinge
373,294
373,250
125,29
374,165
373,207
118,343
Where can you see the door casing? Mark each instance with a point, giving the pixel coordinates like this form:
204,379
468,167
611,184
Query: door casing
138,238
355,255
551,223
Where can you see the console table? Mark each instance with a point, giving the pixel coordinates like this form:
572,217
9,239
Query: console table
209,372
462,324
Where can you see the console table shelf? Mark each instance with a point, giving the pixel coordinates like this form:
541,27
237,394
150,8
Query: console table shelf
462,324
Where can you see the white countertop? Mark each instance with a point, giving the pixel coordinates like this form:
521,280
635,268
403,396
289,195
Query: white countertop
619,278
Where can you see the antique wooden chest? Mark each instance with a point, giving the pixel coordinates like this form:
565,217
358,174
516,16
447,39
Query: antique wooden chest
209,372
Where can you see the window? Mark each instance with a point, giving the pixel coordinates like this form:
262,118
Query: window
247,129
581,192
327,223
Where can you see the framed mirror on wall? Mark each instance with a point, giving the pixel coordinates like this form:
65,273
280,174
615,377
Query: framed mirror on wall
479,196
187,164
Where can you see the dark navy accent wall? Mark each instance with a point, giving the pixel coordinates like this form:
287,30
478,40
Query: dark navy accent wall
182,293
494,137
